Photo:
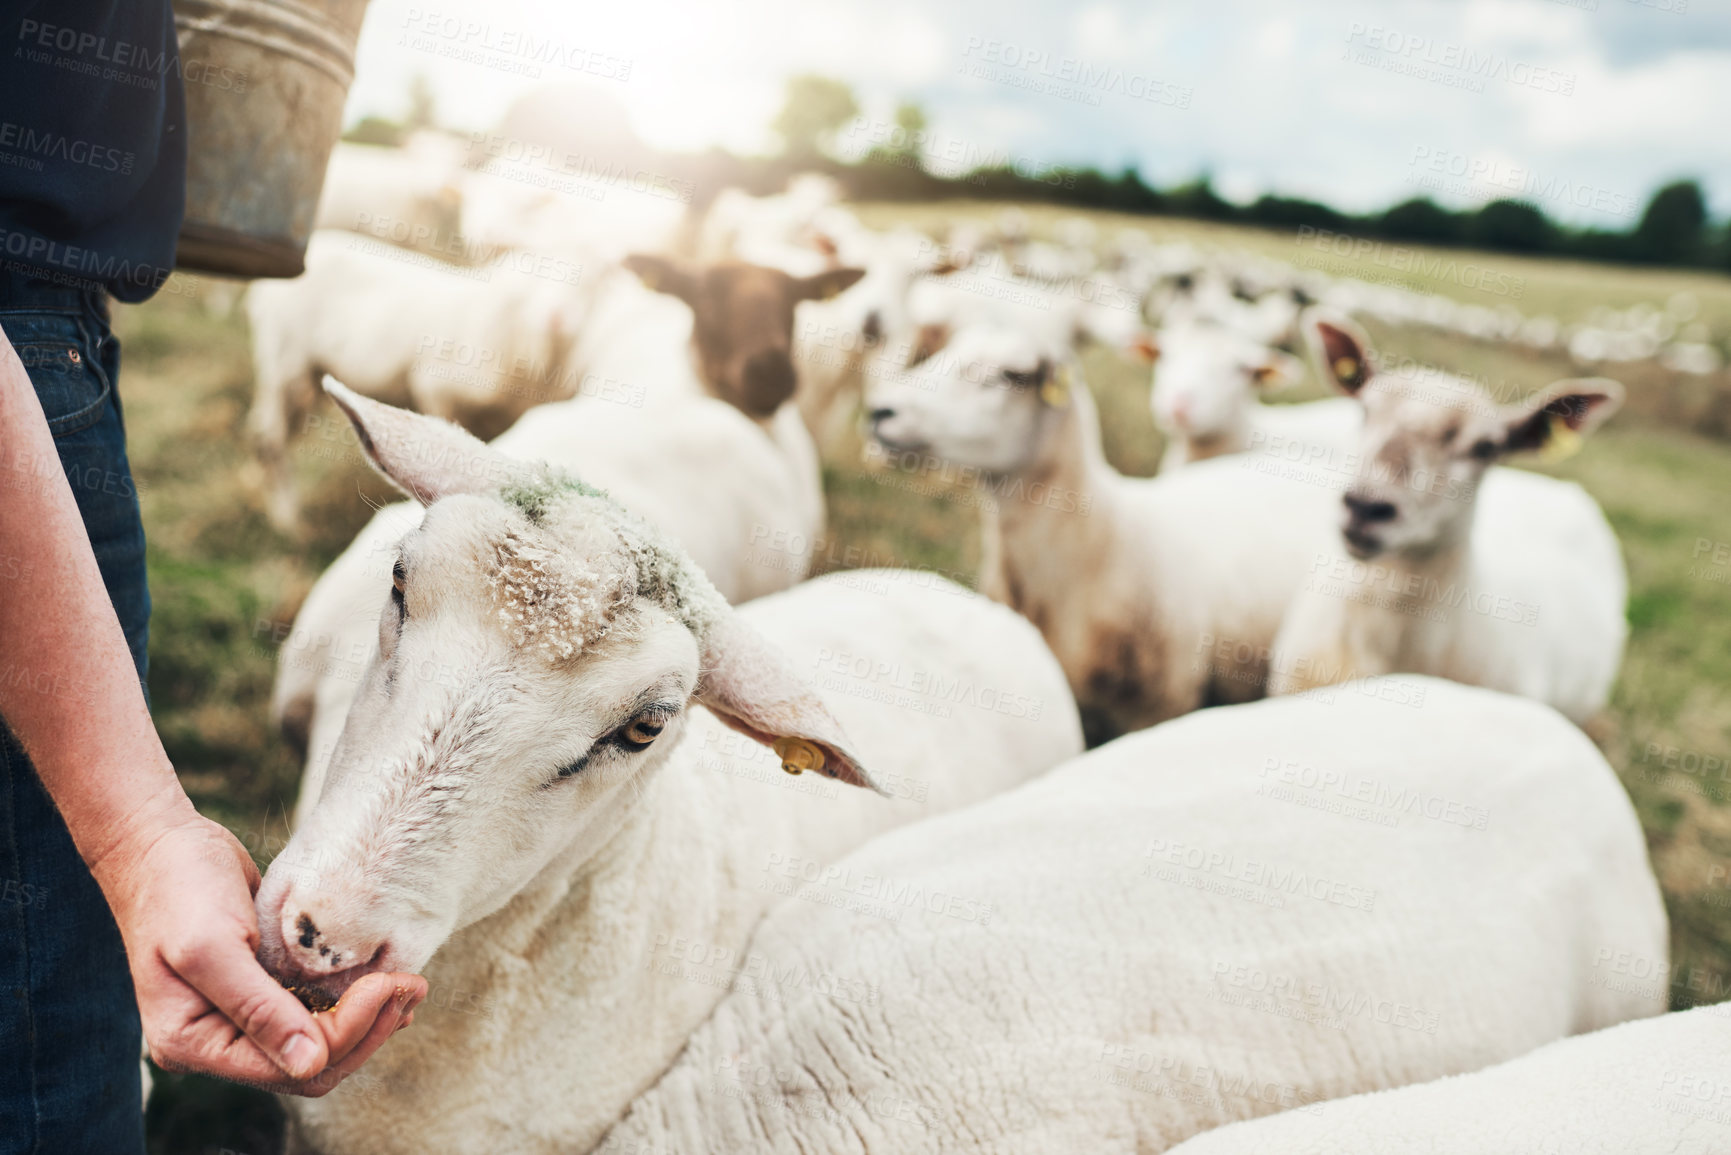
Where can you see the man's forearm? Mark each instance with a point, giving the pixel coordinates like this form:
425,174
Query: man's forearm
68,688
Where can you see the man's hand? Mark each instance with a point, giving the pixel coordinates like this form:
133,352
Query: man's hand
182,894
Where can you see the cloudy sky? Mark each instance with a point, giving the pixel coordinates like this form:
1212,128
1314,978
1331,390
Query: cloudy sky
1583,106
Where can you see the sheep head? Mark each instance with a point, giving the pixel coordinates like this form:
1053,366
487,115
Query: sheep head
1208,377
536,660
1429,436
983,398
742,322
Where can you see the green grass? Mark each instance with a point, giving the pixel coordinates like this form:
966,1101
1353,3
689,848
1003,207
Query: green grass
221,577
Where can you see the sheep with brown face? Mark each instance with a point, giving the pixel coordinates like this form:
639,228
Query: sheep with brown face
742,330
1448,564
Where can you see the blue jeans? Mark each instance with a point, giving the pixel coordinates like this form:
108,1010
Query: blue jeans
69,1031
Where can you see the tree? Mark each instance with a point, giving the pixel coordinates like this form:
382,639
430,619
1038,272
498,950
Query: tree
1421,219
814,108
1513,225
421,103
1198,199
1674,226
910,129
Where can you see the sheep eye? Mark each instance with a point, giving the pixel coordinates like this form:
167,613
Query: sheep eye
1484,449
636,735
1022,380
399,577
642,730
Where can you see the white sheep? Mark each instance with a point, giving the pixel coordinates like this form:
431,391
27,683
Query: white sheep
1661,1086
552,794
475,345
983,288
409,196
744,499
596,199
1208,382
766,230
834,338
1247,910
736,483
482,345
1445,566
1158,596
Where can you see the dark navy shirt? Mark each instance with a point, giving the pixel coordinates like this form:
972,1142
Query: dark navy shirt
92,142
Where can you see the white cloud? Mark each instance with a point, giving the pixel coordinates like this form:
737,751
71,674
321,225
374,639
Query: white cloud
1272,104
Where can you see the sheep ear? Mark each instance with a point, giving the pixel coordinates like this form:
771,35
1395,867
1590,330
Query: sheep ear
425,457
927,341
1558,416
753,688
1279,371
1342,350
1144,347
664,275
829,283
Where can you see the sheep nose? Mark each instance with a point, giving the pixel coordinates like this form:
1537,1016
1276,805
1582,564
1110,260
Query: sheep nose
314,951
1365,509
769,378
873,329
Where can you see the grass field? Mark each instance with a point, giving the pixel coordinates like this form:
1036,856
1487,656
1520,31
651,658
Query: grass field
222,579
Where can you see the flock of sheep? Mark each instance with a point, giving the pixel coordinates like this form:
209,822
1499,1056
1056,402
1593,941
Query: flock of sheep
699,856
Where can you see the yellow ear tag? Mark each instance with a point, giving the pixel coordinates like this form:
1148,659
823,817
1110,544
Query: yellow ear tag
1561,445
1056,392
1346,369
797,755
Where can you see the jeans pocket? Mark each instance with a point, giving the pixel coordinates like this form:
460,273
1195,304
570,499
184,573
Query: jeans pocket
61,355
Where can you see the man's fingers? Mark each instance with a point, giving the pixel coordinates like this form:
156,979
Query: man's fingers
405,997
224,971
370,1012
209,1046
369,1000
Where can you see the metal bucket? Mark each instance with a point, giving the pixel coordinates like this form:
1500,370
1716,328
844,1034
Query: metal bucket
265,85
